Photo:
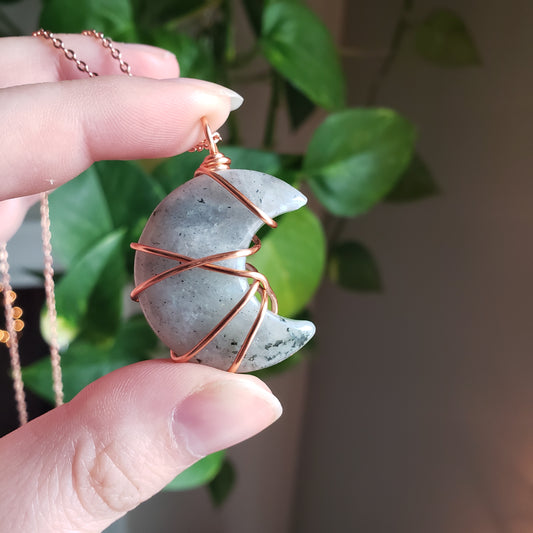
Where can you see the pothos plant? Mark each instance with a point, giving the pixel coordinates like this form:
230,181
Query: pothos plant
356,158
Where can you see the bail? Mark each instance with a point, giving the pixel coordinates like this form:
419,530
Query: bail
216,160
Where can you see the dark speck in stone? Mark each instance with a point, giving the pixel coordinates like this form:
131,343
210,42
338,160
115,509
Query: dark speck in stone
201,201
233,343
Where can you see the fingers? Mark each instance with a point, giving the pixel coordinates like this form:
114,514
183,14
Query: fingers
12,213
29,60
25,60
53,131
82,466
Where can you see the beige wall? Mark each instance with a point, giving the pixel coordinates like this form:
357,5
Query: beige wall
420,408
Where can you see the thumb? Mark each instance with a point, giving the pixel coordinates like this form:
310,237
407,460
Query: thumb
83,465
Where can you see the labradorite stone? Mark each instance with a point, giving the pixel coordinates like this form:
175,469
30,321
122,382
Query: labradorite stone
198,219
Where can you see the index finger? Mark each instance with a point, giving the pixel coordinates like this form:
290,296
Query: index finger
26,60
51,132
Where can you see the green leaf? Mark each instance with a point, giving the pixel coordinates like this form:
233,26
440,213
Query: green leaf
356,156
286,167
139,194
221,487
104,308
299,46
109,195
444,39
135,338
200,473
176,170
75,287
283,166
292,257
114,19
260,160
131,195
84,362
194,55
414,184
79,216
352,266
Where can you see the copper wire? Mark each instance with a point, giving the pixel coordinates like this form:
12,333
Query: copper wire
12,344
214,162
217,161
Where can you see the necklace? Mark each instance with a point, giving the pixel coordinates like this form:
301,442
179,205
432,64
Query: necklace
198,297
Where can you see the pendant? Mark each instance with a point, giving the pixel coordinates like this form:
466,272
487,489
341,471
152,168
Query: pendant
194,286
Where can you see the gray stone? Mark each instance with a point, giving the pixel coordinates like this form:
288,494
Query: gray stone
198,219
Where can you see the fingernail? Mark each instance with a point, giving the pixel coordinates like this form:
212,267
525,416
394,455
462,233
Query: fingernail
223,413
236,99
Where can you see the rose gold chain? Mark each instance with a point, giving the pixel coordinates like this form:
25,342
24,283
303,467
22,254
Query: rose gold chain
49,289
48,270
82,65
12,344
115,52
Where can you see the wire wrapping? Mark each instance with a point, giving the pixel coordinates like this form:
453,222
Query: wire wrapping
217,161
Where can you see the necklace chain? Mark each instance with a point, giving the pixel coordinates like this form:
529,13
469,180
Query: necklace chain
82,65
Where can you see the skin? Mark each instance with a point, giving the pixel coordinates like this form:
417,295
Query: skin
82,466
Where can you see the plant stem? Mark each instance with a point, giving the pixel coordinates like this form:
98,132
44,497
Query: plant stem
336,225
228,57
397,37
197,13
243,59
270,127
11,27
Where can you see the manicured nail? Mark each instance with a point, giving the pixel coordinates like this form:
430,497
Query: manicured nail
236,99
223,413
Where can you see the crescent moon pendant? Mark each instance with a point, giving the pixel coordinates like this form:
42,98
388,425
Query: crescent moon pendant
199,219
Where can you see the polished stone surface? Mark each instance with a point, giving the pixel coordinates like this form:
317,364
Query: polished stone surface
198,219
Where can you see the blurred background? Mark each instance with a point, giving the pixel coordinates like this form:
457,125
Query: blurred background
414,412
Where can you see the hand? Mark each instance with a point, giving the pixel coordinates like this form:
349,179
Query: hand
123,438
